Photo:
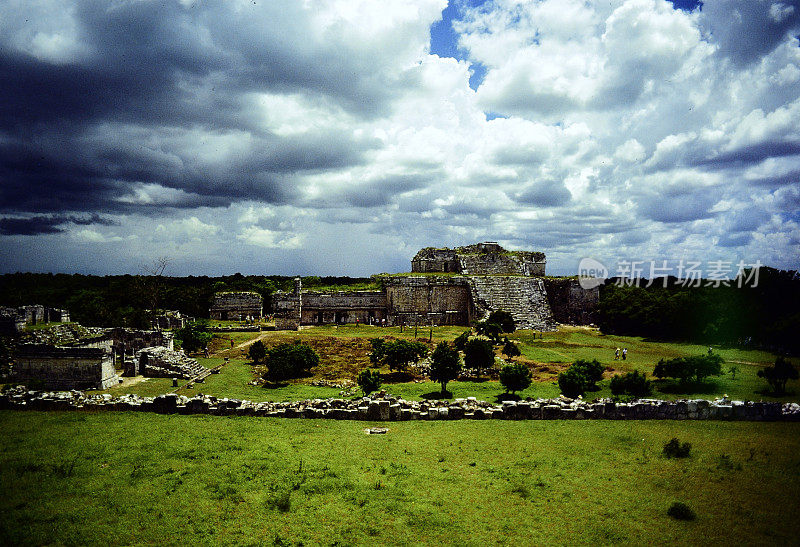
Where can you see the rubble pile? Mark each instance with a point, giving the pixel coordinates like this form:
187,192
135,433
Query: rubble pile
67,334
382,407
161,362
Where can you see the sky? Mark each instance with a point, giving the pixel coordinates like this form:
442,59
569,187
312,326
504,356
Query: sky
338,137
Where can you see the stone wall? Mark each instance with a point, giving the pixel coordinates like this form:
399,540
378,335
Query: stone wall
64,367
571,303
524,298
386,408
236,306
486,258
428,300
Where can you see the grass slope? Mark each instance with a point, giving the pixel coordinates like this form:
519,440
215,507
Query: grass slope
130,478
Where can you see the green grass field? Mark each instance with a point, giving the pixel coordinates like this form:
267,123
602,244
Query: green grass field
134,478
547,354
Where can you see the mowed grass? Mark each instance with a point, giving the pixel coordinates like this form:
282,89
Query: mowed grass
130,478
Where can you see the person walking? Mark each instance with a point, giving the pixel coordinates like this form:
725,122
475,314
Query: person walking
616,354
624,353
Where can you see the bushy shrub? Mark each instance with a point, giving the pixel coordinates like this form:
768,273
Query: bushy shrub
445,364
461,340
510,349
478,354
778,374
396,354
257,352
504,319
580,377
681,511
194,336
633,383
674,449
369,380
290,361
377,353
515,377
695,367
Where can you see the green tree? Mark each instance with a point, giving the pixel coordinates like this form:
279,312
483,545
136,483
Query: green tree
461,340
504,319
510,349
399,354
515,377
580,377
778,375
369,380
694,367
492,331
257,352
378,351
445,364
633,383
293,360
478,354
194,336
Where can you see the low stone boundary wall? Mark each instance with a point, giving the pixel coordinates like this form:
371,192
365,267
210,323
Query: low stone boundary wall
387,408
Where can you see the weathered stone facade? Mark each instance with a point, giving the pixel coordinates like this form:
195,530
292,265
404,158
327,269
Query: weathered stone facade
486,258
428,300
59,367
317,308
571,303
479,279
14,320
237,306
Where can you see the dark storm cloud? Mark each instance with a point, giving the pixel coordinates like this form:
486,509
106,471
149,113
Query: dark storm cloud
46,224
544,194
81,135
747,31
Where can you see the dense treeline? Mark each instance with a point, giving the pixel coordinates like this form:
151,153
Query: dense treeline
767,315
123,300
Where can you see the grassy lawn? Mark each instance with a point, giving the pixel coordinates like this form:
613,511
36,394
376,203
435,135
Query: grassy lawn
134,478
344,351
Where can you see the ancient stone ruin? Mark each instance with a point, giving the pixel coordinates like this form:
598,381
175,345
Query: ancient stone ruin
71,356
14,320
161,362
237,306
450,287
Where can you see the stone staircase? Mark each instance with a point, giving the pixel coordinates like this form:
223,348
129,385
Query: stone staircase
161,362
524,298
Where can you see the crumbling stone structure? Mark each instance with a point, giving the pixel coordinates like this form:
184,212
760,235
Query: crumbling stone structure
486,258
317,308
161,362
63,367
237,306
14,320
571,303
170,319
448,287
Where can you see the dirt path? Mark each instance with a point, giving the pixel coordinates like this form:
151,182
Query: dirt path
243,345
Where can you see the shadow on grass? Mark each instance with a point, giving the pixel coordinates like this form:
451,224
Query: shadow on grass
274,385
689,387
508,397
770,393
397,377
436,395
